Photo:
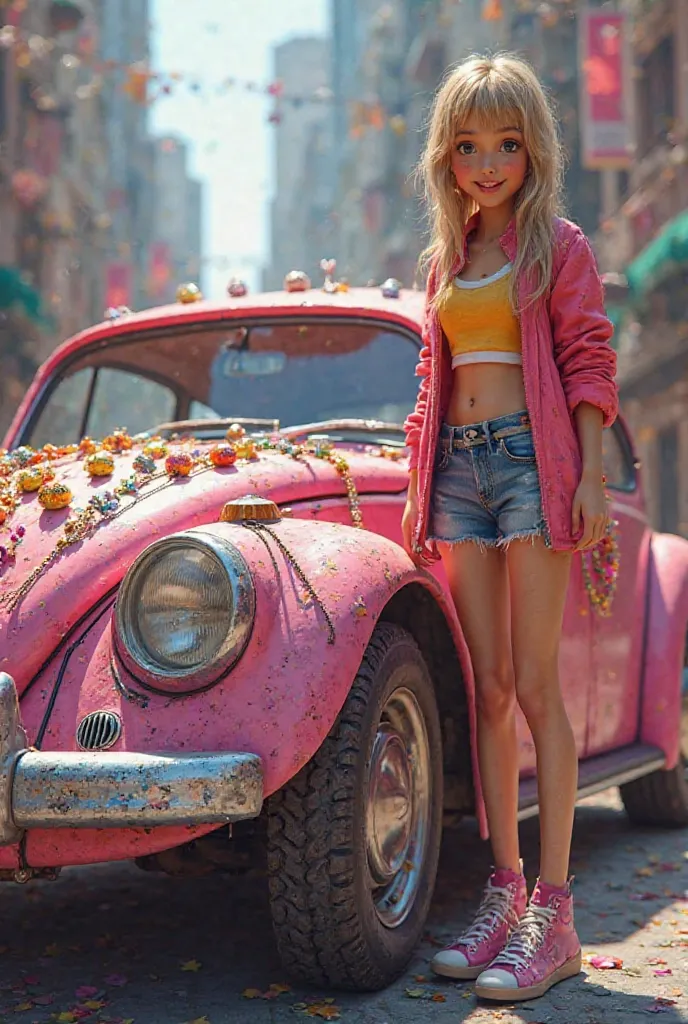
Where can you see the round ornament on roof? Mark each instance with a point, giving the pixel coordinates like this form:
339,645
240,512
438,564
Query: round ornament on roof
189,292
236,288
391,288
297,281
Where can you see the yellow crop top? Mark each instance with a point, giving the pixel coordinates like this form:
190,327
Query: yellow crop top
479,322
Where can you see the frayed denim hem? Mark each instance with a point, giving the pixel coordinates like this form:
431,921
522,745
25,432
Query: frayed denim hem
539,531
483,543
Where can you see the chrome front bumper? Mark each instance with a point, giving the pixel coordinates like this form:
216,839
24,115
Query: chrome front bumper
110,790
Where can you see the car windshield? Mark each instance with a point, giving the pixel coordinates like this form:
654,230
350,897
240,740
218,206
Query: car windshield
295,371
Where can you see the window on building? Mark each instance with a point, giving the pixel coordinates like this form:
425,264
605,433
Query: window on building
667,450
655,95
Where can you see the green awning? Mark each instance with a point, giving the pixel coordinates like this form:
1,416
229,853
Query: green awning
660,258
15,291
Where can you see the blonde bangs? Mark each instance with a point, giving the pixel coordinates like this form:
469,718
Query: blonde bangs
497,92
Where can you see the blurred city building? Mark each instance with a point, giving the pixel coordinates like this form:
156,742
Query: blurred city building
300,226
643,239
83,222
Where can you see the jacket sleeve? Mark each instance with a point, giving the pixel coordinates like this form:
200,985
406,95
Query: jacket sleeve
413,424
582,332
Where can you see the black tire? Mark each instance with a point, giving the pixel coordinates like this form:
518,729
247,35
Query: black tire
327,927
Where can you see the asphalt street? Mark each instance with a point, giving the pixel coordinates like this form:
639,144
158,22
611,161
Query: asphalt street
115,944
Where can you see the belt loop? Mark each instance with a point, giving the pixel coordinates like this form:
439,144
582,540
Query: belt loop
488,436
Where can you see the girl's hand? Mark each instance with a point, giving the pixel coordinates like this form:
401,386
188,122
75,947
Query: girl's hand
589,504
408,525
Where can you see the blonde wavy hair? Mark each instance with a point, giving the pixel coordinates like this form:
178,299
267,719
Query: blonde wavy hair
495,91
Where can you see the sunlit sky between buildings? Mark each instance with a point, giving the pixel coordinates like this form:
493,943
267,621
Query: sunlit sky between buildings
231,146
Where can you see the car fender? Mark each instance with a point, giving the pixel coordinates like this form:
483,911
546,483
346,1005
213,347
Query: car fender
665,638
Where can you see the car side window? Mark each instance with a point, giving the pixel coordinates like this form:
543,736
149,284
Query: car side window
617,460
123,399
61,419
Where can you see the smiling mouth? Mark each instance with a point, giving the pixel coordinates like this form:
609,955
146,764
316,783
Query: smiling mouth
489,186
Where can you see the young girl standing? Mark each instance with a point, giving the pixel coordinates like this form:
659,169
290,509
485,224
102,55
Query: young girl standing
506,478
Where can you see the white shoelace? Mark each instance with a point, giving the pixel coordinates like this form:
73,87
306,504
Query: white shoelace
528,937
492,911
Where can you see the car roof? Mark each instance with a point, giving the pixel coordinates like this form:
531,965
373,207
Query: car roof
406,309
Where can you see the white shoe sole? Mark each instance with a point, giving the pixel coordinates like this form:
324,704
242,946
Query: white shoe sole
514,995
458,973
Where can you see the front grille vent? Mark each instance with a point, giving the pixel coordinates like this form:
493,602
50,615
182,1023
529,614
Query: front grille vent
99,730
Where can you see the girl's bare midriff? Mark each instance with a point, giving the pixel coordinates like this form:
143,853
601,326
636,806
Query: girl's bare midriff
483,391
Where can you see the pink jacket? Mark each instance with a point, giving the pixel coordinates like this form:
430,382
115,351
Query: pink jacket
567,359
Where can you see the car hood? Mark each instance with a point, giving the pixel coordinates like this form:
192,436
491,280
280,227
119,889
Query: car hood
71,584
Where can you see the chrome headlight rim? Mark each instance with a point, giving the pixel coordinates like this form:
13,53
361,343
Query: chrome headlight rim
170,683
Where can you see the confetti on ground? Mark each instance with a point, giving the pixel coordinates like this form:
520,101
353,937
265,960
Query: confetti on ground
86,992
192,965
604,963
116,980
272,993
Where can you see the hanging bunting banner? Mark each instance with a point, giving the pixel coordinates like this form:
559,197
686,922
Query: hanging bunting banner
606,115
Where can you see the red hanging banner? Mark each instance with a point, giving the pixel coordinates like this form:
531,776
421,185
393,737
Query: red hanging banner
117,285
606,115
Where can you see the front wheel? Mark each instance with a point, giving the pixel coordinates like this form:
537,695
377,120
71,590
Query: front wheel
353,839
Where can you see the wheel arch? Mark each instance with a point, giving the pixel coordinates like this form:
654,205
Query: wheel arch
665,630
415,608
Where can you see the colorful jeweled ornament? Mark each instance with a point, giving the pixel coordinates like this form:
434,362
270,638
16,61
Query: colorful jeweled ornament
8,551
87,446
222,455
297,281
236,288
33,477
391,288
601,571
156,450
100,463
54,495
179,464
189,292
235,432
144,464
246,448
117,441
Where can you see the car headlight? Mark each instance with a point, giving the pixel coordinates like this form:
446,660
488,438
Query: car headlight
184,613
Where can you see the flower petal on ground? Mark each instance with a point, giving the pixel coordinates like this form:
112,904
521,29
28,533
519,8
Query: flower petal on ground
605,963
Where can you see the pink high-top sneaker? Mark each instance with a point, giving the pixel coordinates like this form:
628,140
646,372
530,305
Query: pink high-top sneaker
543,950
503,903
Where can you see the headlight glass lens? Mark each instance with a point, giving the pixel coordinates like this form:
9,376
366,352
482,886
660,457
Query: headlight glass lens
184,609
185,612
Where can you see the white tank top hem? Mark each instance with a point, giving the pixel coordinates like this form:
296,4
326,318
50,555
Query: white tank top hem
486,357
465,358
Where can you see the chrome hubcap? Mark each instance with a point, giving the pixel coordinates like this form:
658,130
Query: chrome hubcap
398,806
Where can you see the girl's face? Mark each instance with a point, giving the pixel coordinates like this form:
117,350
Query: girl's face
489,164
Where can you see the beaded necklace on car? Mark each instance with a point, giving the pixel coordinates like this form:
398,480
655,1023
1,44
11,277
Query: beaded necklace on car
601,566
26,470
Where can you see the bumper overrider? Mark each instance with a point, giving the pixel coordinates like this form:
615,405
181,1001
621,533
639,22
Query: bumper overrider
116,790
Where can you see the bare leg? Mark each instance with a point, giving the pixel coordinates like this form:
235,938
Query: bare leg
538,580
479,586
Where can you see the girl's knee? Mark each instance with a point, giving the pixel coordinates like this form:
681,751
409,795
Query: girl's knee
537,691
495,694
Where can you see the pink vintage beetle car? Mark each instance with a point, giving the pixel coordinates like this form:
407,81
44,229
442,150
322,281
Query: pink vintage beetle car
209,620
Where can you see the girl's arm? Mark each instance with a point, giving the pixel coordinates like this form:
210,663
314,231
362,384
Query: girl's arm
414,421
582,332
589,504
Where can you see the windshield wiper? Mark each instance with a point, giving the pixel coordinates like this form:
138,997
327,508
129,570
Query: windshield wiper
218,426
346,426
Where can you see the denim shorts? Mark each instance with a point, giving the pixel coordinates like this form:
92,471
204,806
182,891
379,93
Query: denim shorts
485,484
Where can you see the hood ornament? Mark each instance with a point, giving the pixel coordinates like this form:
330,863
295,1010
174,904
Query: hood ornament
189,292
328,267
